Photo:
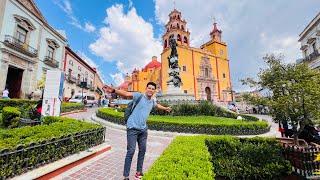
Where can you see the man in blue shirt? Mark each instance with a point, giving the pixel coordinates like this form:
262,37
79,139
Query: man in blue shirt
137,126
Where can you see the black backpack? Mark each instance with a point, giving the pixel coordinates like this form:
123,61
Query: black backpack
130,109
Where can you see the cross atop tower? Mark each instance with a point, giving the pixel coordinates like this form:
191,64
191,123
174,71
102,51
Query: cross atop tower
174,4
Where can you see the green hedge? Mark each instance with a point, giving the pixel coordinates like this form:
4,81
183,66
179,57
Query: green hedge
185,158
251,158
22,149
231,158
23,105
59,126
68,106
191,124
10,117
204,108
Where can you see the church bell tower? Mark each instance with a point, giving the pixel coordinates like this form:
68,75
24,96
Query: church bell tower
176,27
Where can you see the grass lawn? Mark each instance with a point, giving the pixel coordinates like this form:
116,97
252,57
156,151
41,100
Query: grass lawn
201,120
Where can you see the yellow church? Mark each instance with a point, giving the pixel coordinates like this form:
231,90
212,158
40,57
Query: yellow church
204,71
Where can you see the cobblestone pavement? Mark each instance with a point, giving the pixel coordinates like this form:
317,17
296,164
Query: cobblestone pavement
109,165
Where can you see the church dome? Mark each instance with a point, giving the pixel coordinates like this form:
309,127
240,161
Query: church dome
153,64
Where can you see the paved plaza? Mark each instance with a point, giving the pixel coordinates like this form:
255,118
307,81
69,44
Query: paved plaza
109,165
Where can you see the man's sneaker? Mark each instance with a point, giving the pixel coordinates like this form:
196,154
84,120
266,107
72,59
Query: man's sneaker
126,178
138,175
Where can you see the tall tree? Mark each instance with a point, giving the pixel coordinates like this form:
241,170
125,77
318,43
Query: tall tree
294,92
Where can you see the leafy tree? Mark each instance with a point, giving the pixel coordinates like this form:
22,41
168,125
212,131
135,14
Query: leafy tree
41,83
294,92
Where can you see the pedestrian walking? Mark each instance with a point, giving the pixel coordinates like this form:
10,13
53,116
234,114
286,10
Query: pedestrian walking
136,125
5,94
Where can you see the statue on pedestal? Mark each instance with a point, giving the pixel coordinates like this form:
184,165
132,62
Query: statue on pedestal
174,70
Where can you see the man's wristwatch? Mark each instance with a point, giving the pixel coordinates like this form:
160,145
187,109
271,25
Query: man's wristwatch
113,91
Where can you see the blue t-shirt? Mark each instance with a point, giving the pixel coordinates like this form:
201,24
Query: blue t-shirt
139,116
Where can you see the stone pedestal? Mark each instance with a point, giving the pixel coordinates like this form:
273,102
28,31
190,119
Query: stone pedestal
175,94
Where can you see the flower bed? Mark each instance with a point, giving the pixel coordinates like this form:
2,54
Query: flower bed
22,149
230,158
193,124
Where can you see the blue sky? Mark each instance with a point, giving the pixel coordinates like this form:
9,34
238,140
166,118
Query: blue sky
117,36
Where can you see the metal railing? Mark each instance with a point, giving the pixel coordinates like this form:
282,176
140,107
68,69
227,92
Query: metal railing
22,47
71,79
303,161
310,57
51,62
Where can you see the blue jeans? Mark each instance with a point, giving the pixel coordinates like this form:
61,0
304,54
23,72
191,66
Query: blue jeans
134,136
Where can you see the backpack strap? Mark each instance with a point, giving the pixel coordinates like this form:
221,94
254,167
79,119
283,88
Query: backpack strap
138,100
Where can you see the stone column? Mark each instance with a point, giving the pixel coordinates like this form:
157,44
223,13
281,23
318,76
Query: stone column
4,69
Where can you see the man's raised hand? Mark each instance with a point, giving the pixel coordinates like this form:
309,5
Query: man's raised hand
108,88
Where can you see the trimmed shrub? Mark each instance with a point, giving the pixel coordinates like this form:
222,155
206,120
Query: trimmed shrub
23,105
232,158
1,122
251,158
22,149
59,126
68,106
11,117
185,158
204,108
191,124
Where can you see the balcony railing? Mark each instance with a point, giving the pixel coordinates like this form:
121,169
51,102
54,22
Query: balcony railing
51,62
71,79
22,47
312,56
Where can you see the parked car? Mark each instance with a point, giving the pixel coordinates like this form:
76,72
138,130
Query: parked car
87,100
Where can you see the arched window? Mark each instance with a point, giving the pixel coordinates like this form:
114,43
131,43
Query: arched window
179,37
185,40
165,44
182,27
178,26
178,17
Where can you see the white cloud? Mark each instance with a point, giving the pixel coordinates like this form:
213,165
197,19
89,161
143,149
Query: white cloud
127,39
89,27
242,23
87,59
286,45
118,78
66,6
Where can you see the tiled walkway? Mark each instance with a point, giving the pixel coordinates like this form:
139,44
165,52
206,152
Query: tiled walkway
109,165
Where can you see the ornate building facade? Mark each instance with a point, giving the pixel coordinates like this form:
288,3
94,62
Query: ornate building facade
310,44
29,47
205,71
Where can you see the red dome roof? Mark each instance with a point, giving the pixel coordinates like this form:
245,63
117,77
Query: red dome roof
153,64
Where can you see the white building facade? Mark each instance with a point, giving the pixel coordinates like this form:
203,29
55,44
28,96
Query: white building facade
310,44
29,47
